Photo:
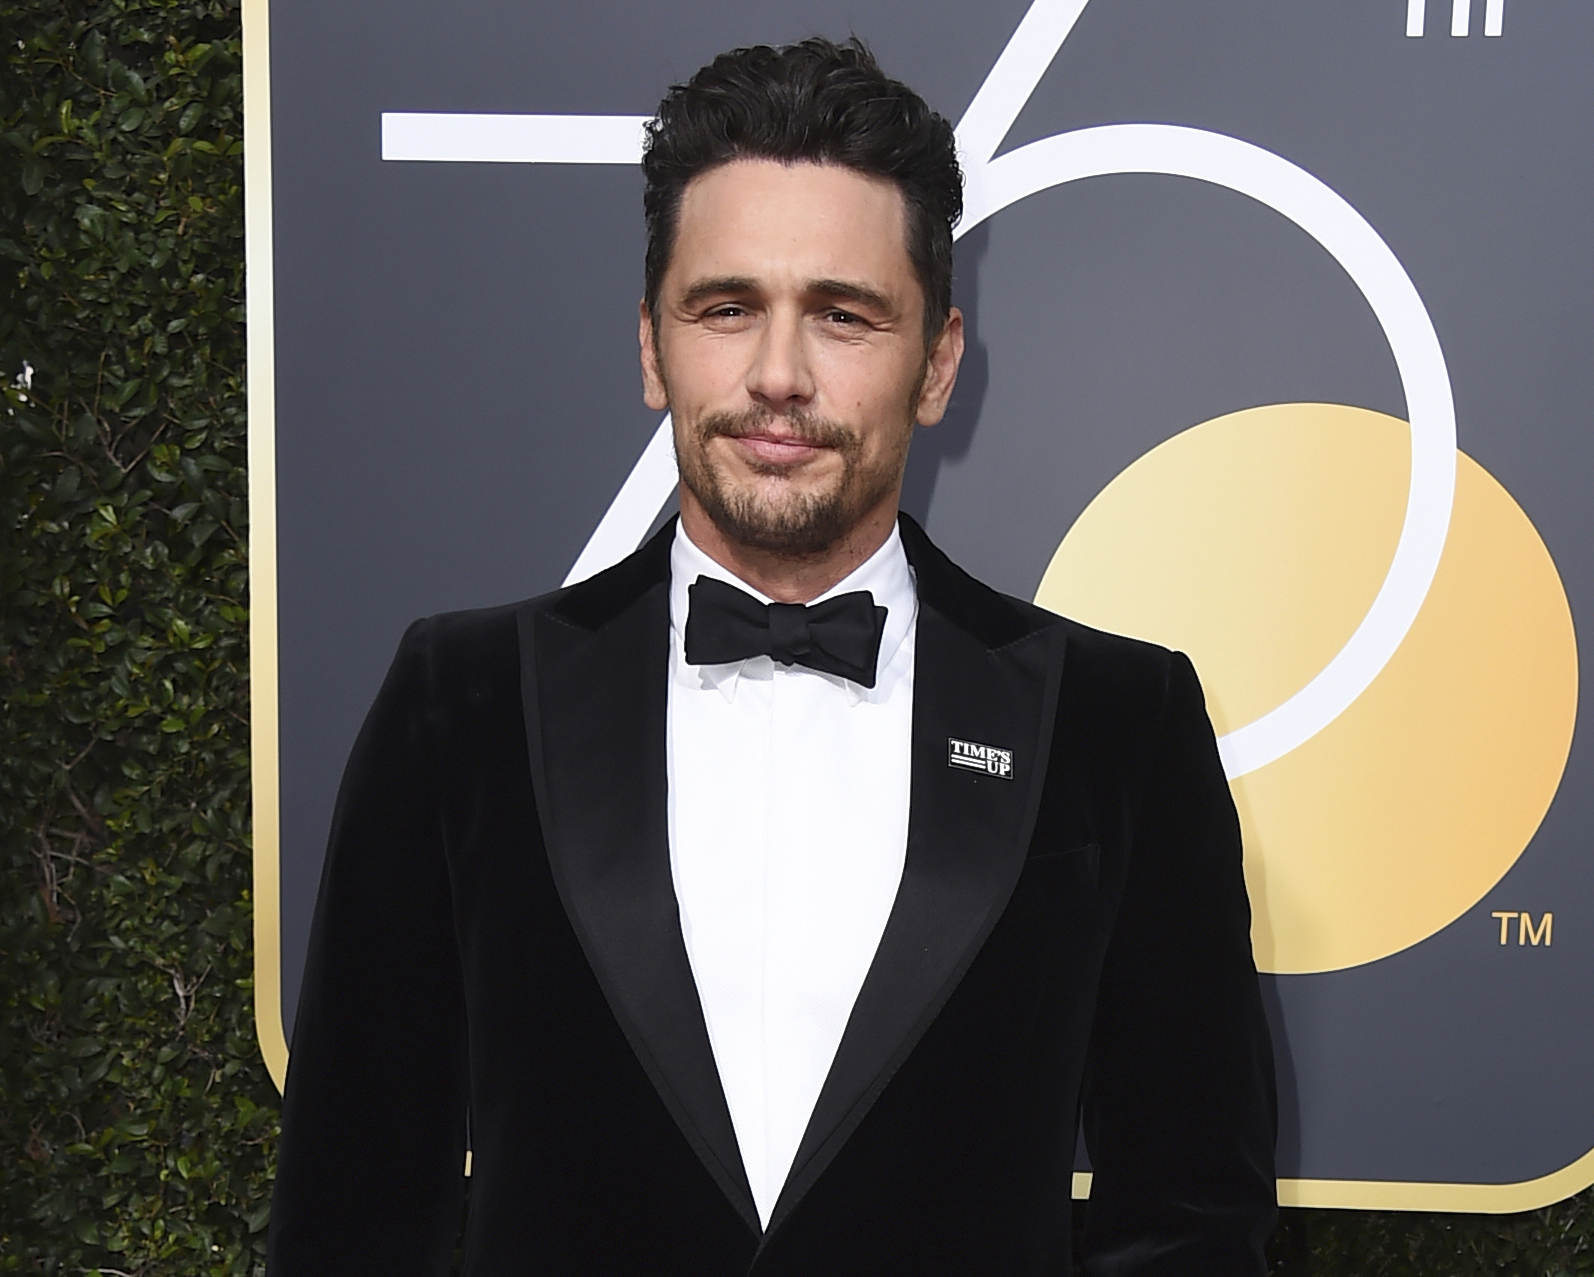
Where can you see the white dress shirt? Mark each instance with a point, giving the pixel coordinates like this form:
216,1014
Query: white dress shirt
788,828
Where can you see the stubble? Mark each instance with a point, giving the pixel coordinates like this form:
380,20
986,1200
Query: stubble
779,513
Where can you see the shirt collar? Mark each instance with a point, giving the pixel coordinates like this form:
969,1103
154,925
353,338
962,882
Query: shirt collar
885,574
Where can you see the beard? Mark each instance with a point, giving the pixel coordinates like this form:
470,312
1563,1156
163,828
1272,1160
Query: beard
775,514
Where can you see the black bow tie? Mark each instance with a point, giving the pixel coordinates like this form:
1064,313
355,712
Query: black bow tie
839,636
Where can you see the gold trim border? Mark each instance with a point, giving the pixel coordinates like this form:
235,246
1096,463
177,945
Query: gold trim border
1434,1198
263,742
1331,1194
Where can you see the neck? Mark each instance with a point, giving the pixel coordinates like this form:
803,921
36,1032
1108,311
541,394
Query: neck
785,578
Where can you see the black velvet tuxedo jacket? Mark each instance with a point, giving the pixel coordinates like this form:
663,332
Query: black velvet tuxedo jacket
496,962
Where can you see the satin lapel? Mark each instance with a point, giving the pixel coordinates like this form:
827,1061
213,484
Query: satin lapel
967,838
595,704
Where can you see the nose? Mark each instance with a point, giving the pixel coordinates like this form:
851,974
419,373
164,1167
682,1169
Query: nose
780,376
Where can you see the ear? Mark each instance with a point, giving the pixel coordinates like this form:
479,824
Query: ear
941,370
653,390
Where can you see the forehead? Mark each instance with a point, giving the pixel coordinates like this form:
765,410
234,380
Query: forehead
764,219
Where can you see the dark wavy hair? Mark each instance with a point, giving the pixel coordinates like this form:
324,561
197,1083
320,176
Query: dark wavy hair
815,101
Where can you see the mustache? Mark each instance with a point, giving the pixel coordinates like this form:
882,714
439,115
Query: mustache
798,425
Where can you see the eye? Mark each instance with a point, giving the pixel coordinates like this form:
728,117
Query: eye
843,318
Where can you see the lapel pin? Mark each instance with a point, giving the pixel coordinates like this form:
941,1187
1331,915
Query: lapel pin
990,760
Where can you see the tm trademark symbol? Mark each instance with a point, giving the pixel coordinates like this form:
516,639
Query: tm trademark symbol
1527,933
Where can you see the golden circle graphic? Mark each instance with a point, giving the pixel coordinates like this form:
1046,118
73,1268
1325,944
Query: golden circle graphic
1255,542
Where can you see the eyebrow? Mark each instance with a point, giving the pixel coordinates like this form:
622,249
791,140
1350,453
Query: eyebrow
840,288
724,285
716,287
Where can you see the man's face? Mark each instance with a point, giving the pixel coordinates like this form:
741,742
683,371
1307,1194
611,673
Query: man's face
790,349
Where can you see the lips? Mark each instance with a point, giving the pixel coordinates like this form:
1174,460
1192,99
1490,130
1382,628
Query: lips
777,449
773,442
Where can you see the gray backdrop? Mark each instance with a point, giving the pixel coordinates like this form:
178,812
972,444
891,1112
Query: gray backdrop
458,401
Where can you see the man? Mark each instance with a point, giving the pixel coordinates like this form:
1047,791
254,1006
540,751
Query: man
780,900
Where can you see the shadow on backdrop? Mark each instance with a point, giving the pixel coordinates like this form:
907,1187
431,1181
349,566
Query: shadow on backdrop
950,439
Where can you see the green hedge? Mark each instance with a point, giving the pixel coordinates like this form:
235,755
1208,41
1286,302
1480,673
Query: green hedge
137,1121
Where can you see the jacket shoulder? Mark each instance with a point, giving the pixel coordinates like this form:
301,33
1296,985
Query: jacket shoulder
488,638
471,633
1119,684
467,636
1112,678
1102,651
1002,618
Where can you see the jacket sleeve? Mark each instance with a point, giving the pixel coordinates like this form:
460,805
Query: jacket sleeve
370,1169
1179,1106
